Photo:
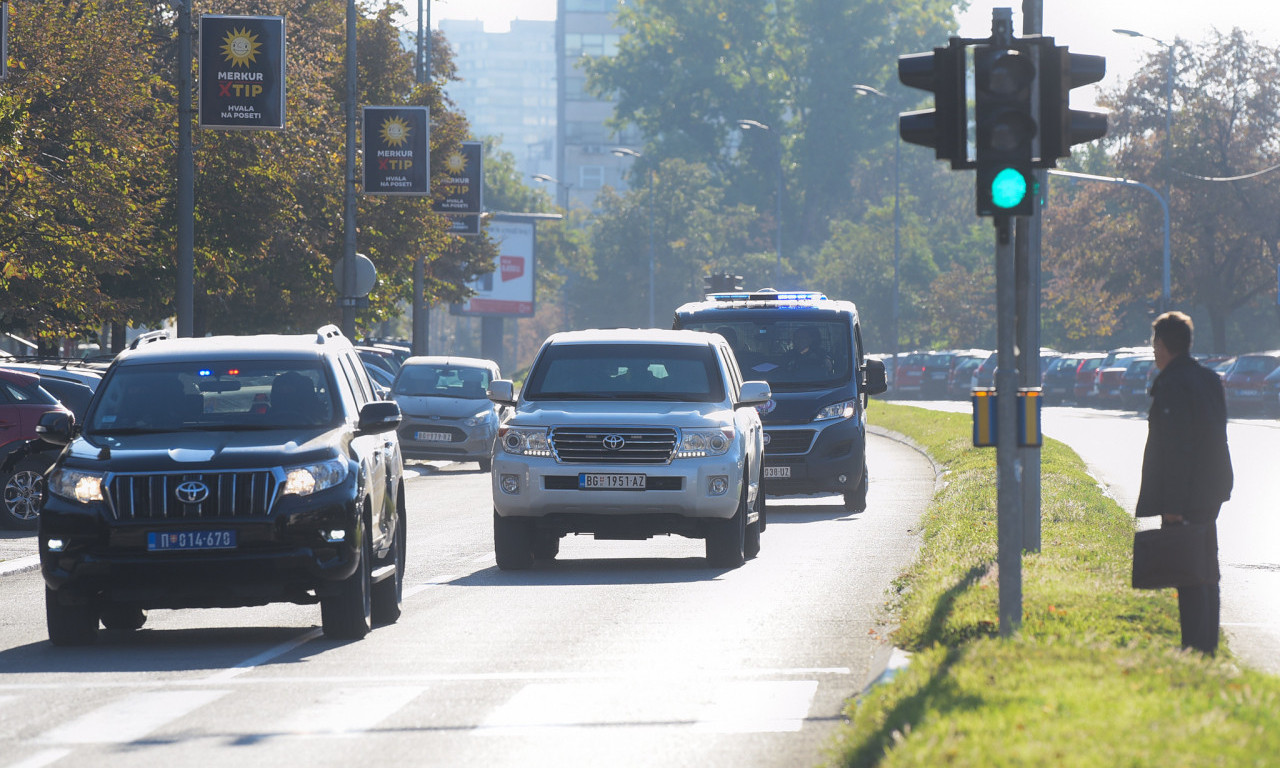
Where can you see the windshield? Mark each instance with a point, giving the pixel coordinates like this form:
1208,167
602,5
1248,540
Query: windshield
170,397
431,380
680,372
791,353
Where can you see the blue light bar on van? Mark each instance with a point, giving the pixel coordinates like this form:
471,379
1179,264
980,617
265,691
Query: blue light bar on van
768,296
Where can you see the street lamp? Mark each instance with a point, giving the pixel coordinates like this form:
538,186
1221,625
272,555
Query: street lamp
562,194
866,90
635,155
747,125
1168,145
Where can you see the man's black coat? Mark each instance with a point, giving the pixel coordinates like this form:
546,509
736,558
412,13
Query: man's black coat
1186,468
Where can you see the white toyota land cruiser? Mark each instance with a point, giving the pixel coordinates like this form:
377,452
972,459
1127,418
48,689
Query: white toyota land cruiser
628,434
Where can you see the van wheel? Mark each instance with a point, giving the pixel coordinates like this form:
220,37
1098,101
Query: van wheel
346,614
69,624
123,617
856,500
512,542
546,546
726,539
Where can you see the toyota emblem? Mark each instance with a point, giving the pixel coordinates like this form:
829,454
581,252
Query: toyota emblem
192,492
613,442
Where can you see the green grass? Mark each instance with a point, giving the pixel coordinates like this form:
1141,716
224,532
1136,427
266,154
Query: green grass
1094,677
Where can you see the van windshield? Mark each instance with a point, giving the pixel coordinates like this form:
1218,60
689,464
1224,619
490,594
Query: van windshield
791,353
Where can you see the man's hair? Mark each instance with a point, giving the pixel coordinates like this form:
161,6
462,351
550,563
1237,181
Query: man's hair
1174,330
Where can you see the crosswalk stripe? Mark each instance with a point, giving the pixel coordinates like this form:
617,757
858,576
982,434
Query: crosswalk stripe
773,706
130,718
348,711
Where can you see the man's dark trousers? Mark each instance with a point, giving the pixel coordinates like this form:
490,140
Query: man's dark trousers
1199,609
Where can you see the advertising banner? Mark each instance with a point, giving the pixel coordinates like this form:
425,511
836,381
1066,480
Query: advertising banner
507,291
242,72
462,187
396,158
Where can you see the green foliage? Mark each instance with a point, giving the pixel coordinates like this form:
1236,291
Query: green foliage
1091,679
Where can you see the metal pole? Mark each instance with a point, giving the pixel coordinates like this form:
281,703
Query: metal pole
777,267
184,296
1008,513
652,316
1027,247
421,316
1168,175
349,195
897,240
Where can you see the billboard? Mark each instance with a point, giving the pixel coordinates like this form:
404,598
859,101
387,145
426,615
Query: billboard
461,189
507,291
397,160
242,72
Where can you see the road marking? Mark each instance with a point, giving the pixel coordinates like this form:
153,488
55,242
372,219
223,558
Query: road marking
349,711
130,718
262,658
766,706
42,758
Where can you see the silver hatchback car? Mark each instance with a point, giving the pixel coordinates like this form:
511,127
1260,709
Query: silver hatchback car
447,415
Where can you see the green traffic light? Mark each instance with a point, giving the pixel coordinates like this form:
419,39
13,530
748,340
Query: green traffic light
1008,188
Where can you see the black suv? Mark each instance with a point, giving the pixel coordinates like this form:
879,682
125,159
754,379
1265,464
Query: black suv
224,472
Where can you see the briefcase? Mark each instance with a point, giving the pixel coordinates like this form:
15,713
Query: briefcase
1177,556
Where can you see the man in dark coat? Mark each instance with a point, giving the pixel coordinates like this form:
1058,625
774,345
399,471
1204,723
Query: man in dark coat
1186,468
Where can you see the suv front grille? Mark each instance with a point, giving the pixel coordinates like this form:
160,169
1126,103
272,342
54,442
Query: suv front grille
170,496
638,445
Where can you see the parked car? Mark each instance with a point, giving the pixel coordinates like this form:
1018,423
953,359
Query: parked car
1086,377
1243,380
1106,377
22,403
1059,380
1271,393
909,377
447,412
1135,383
630,434
961,380
381,357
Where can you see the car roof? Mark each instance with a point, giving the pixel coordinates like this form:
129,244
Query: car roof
261,346
632,336
450,360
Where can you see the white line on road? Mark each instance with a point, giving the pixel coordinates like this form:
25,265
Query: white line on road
130,718
349,711
262,658
42,758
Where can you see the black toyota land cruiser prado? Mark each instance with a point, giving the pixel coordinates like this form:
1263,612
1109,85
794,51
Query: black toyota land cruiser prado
809,349
224,472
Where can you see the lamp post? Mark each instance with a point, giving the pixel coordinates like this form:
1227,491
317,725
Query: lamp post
562,193
1168,147
866,90
747,125
634,155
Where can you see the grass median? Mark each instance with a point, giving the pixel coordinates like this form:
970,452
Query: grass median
1094,677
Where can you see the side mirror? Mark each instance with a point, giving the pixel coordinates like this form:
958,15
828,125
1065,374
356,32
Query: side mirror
380,416
874,381
502,392
56,427
754,393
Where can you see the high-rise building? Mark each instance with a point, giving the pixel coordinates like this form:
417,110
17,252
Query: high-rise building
507,87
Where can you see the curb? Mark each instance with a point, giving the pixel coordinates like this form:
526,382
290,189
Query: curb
19,565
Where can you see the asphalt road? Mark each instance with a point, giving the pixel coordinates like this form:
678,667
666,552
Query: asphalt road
619,653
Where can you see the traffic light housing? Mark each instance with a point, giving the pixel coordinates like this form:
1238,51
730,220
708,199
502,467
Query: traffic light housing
1060,126
940,71
1006,125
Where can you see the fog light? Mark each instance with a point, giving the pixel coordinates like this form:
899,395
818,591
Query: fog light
56,545
719,485
509,483
842,479
335,536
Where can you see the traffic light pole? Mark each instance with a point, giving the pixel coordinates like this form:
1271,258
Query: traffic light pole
1009,526
1026,244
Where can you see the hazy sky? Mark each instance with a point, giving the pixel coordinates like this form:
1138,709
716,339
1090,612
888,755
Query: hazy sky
1084,25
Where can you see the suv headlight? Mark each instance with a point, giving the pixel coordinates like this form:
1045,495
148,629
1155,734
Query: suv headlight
695,443
525,441
842,410
309,478
483,417
83,487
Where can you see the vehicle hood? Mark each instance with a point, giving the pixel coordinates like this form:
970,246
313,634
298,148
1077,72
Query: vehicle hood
445,407
800,407
203,451
620,412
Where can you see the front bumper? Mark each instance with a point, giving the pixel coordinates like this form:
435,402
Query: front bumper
463,443
825,457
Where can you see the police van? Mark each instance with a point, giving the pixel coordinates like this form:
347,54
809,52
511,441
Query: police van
809,348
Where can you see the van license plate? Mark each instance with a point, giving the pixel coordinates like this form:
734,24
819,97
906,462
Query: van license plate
161,541
589,481
777,471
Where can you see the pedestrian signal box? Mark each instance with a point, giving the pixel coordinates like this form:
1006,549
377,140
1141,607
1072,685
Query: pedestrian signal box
985,422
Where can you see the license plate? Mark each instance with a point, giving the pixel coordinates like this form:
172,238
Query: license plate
438,437
937,376
589,481
1248,393
777,471
158,541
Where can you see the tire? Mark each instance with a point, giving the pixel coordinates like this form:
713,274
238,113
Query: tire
69,624
546,546
486,465
23,492
388,593
856,500
513,542
346,614
726,539
123,617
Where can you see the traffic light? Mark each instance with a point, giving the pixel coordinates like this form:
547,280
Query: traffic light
1006,127
1060,126
940,71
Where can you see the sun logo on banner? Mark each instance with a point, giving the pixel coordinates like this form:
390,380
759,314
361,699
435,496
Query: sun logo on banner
456,162
240,47
395,132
